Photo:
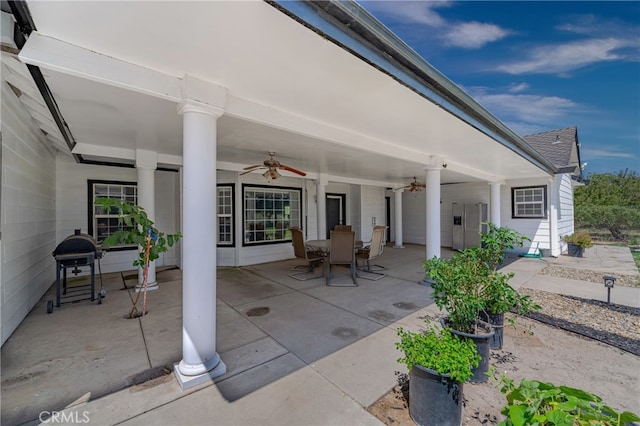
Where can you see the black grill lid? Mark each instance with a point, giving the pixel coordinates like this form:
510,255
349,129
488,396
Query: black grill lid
78,243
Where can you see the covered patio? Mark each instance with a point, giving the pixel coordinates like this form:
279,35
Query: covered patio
269,326
177,99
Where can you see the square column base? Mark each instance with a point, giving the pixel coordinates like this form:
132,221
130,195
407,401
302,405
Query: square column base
188,382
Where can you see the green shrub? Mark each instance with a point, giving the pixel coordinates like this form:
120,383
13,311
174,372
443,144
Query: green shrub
581,238
441,351
545,404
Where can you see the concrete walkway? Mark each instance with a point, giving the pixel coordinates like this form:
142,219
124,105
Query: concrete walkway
320,355
607,260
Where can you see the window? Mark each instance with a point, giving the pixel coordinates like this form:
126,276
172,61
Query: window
225,215
269,213
529,202
103,223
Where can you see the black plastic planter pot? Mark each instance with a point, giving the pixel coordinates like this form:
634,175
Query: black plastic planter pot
497,322
574,250
482,341
434,399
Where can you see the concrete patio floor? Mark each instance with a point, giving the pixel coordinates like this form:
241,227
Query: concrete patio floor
320,355
86,351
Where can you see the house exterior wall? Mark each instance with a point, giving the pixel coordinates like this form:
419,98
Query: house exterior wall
28,220
372,206
73,198
565,209
538,230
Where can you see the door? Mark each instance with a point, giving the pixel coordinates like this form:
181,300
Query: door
336,211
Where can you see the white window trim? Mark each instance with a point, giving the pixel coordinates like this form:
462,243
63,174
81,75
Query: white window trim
292,220
542,203
93,217
230,215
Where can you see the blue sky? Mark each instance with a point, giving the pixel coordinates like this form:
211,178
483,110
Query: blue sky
538,66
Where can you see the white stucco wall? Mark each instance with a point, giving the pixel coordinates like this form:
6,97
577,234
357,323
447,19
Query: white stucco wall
28,220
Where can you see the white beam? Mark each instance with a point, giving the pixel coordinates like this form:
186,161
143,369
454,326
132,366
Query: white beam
49,53
104,151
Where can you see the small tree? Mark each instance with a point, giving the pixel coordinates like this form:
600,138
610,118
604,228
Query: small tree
609,201
138,229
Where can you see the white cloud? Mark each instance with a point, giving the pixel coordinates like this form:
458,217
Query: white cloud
473,35
517,88
567,57
614,152
416,12
527,108
468,35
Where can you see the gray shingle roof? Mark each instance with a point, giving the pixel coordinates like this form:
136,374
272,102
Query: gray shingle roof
560,147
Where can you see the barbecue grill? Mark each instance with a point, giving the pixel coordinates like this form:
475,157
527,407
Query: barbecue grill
75,251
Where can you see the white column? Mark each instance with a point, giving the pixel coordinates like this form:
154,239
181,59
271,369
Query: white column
433,212
146,164
321,205
554,238
398,213
200,361
495,203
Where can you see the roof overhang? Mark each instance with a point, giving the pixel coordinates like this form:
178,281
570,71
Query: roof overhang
322,99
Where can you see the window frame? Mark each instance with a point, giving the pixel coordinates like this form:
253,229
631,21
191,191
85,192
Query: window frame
544,203
231,187
91,208
268,188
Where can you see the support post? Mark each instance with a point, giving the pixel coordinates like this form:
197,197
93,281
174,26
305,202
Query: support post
321,205
398,214
200,361
433,211
146,164
495,203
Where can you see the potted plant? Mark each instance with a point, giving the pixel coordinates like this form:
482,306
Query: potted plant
439,362
577,242
470,287
459,286
137,229
499,296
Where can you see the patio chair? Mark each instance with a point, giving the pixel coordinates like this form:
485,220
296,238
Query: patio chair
342,252
313,257
342,228
374,250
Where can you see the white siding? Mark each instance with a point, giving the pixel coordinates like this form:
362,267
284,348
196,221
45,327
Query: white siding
414,210
28,213
372,206
565,209
73,206
538,230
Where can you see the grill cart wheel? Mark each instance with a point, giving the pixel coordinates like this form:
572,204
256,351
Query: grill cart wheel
100,298
49,306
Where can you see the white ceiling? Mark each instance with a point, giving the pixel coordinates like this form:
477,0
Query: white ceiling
337,114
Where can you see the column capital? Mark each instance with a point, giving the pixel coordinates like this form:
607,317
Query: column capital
146,159
189,105
435,163
497,182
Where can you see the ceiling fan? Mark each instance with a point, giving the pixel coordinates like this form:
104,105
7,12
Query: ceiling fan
272,167
415,186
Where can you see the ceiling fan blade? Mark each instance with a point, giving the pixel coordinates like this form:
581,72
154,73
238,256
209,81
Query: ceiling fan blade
253,167
250,169
289,169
